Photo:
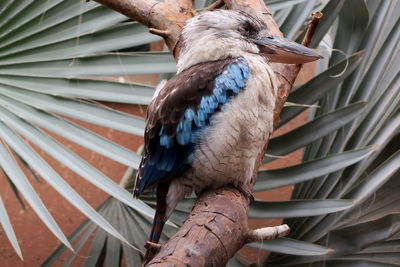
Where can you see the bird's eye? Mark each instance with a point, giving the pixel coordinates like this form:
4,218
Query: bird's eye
248,29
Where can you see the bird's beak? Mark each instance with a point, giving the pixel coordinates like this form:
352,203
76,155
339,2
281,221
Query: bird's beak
279,49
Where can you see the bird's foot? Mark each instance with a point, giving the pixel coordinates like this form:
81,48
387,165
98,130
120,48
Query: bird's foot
155,247
152,250
247,194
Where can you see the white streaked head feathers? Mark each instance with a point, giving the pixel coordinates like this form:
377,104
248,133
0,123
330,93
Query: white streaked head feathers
214,35
218,34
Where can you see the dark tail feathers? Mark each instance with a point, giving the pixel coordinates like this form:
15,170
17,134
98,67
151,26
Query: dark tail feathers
159,220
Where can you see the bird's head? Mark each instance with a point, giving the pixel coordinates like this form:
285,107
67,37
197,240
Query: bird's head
219,34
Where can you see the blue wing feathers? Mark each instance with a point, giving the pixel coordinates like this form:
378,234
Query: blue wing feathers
189,114
172,153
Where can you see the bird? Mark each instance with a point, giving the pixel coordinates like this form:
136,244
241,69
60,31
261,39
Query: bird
206,125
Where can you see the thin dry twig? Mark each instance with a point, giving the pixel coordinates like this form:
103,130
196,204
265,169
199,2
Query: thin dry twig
162,33
312,26
267,233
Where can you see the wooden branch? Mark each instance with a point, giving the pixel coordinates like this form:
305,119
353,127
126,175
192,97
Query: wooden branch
169,15
214,231
312,26
217,226
267,233
287,74
162,33
139,10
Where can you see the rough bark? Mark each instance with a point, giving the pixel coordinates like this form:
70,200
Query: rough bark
166,17
214,231
217,226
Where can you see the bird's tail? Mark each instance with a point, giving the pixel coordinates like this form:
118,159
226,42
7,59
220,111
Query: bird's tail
158,223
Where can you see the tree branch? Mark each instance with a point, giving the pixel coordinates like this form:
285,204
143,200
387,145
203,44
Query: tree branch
312,26
169,15
217,226
286,74
139,10
214,231
267,233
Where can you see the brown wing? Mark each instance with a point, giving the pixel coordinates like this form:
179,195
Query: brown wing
181,92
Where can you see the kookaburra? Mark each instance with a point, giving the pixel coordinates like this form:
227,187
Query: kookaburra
206,126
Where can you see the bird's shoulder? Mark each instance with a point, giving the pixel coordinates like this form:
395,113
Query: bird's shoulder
185,91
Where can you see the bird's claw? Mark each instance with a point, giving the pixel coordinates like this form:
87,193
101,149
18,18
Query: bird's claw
248,195
155,247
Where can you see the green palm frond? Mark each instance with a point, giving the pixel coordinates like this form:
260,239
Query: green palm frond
52,54
354,235
106,249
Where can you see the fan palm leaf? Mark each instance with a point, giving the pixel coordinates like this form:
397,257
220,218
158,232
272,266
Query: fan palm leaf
51,54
